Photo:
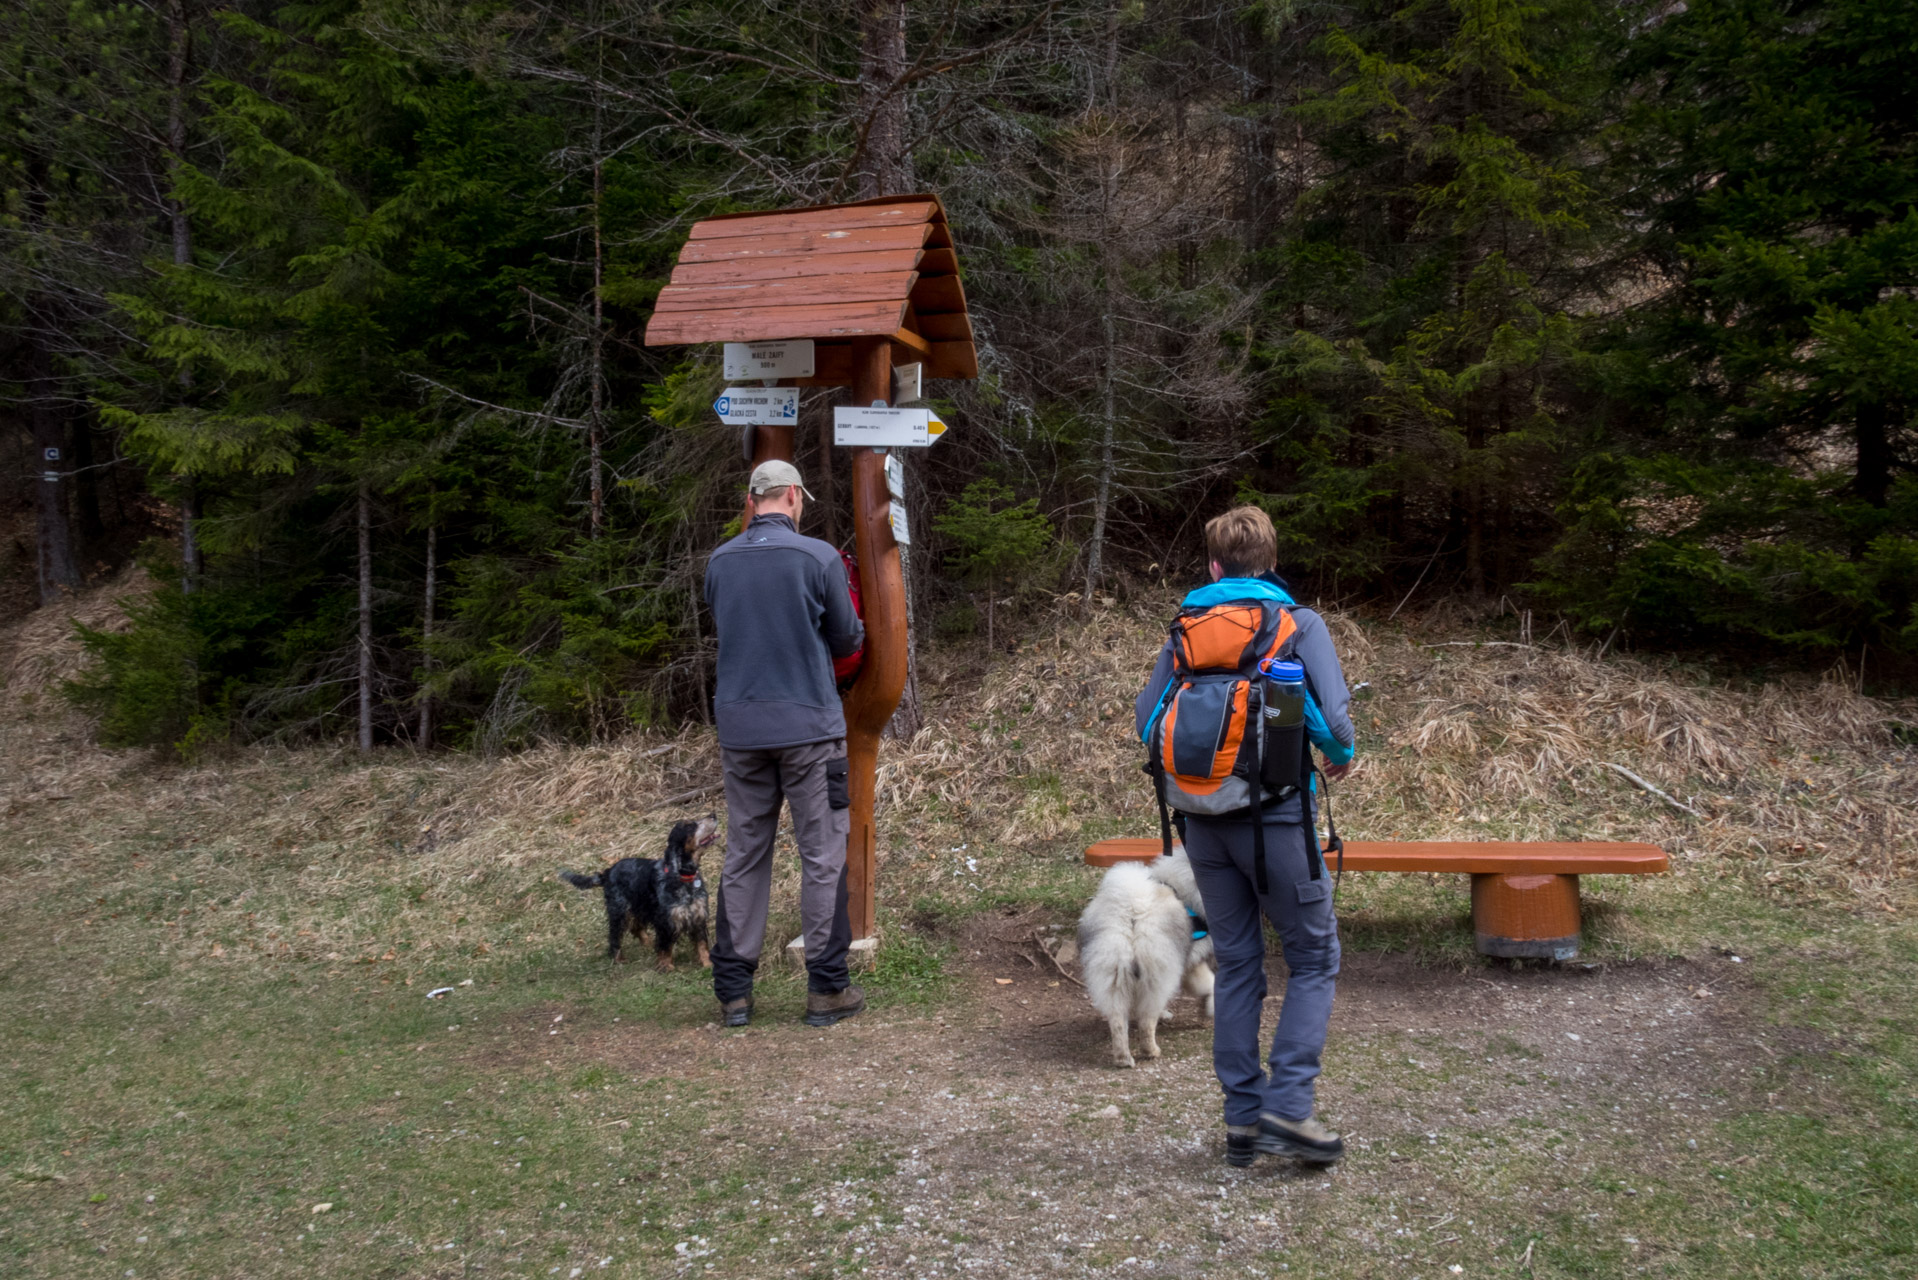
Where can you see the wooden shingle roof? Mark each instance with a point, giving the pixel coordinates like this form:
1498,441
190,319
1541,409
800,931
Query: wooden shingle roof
831,273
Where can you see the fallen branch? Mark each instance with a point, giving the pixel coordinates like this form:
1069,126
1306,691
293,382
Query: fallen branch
1478,644
1047,952
1643,785
684,796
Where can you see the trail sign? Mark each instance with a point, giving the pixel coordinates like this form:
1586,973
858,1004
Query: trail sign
788,358
900,532
896,476
907,384
862,289
886,428
758,406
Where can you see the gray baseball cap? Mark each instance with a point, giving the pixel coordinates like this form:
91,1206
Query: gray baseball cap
777,475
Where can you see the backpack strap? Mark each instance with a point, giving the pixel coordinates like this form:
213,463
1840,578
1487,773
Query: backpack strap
1155,767
1260,880
1333,845
1255,715
1157,770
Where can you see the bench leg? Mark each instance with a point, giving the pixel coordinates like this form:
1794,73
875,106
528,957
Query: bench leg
1526,917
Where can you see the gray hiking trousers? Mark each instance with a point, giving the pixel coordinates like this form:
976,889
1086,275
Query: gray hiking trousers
812,780
1300,908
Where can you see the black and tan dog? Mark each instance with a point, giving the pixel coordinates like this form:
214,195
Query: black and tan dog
666,895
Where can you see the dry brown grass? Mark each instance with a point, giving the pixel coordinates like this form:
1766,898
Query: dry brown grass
48,749
1459,740
1802,784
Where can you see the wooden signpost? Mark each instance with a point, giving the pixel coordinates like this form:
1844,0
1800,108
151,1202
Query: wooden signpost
874,285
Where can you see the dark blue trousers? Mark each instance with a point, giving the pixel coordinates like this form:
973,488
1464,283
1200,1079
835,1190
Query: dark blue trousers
1300,909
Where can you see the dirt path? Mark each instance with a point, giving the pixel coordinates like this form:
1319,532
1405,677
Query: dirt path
1478,1107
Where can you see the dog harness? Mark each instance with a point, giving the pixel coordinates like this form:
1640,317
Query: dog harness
1198,924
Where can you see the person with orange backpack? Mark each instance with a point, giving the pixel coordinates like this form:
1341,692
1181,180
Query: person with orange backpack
1247,685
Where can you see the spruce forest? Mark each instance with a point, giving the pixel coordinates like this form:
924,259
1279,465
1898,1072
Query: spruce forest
327,316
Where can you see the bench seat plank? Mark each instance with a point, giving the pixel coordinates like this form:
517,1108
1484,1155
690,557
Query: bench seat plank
1471,857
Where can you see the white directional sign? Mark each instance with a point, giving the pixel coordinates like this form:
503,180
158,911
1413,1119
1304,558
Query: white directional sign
900,533
789,358
886,428
896,476
758,406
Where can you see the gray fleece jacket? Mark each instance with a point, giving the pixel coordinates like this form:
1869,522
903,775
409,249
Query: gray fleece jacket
783,612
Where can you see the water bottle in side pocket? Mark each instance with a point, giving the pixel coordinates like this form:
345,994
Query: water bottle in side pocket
1284,724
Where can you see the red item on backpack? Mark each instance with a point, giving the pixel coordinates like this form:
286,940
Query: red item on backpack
845,670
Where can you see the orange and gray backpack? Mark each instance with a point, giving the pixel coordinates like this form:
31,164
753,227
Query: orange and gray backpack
1212,750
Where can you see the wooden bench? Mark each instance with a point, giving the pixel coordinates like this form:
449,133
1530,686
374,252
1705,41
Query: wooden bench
1524,893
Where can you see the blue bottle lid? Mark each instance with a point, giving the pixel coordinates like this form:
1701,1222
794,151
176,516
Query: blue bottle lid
1281,672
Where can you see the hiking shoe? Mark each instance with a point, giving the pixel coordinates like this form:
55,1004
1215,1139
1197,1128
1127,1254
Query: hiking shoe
1307,1139
737,1013
823,1009
1241,1144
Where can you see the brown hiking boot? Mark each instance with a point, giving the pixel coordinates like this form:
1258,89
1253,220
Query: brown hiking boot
737,1013
823,1010
1307,1139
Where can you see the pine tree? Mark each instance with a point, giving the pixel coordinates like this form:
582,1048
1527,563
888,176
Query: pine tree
364,245
1427,308
996,539
1762,484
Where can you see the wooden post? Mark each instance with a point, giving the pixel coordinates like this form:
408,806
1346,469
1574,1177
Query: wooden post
882,590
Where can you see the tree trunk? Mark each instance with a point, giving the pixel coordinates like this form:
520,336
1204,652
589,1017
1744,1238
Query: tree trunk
1109,410
1474,485
886,169
426,638
1500,477
1874,454
885,164
593,432
828,481
59,567
1108,89
86,493
191,566
179,73
1502,572
366,615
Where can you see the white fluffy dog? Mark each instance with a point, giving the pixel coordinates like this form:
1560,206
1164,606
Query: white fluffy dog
1136,948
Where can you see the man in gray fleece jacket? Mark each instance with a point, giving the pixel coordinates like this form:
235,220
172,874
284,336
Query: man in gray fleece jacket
783,611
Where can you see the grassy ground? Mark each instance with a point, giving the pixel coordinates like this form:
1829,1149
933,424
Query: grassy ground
214,1019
